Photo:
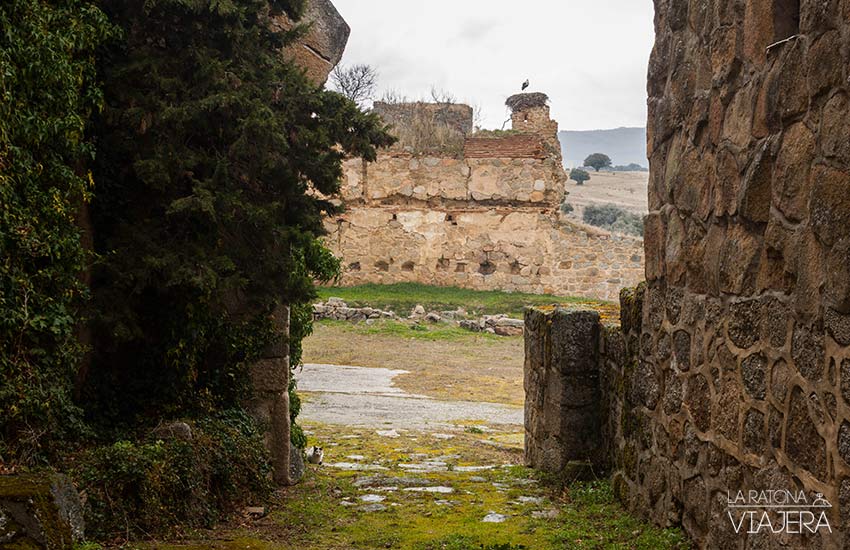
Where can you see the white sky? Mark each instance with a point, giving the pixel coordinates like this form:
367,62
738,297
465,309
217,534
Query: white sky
589,56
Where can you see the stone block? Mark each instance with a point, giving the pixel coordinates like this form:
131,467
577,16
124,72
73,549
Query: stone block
561,381
830,207
803,444
808,352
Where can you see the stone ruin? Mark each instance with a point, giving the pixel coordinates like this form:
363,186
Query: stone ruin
482,214
730,370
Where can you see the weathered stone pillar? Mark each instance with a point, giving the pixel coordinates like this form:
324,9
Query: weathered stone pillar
562,398
269,403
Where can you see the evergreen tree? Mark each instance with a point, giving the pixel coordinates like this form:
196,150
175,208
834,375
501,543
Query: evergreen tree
213,154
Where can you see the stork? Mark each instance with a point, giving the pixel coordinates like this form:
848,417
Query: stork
525,85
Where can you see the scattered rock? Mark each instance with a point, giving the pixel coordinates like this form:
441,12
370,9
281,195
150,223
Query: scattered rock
418,311
173,430
383,481
493,517
443,436
530,500
423,467
373,498
473,468
373,508
355,467
338,310
255,511
439,489
387,433
551,513
433,318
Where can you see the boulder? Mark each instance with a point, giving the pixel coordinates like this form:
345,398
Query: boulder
39,511
321,47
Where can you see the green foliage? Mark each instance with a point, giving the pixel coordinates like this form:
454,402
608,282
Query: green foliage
579,176
595,520
47,92
567,208
629,168
597,161
151,486
208,150
613,218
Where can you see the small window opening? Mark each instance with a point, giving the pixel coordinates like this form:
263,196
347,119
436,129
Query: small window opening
407,266
354,266
786,19
486,268
382,266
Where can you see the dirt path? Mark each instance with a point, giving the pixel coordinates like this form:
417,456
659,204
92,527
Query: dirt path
471,368
366,397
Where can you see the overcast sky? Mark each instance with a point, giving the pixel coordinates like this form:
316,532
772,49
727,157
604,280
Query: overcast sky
590,56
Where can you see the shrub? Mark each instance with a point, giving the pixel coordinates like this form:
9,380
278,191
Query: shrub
614,219
150,486
579,176
567,208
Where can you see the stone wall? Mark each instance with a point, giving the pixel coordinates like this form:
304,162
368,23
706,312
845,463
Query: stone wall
732,368
487,220
511,249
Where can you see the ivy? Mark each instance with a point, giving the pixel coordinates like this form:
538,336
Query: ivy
47,93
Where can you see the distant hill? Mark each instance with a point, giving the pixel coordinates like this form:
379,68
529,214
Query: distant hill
623,145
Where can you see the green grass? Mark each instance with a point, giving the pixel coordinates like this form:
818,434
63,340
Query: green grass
403,297
594,519
440,332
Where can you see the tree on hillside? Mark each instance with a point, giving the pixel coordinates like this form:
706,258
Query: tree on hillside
211,149
597,161
356,82
579,176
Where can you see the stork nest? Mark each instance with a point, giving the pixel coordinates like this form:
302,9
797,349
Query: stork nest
519,102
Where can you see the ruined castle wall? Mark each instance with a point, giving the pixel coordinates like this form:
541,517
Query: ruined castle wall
732,368
525,250
481,223
405,179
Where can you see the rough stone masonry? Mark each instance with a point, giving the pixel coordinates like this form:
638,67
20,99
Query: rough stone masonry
731,369
485,218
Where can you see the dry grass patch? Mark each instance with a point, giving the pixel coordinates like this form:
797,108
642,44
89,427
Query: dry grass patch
460,366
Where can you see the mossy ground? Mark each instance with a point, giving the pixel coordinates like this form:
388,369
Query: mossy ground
326,512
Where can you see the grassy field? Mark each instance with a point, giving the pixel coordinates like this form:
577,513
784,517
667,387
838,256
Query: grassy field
403,297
